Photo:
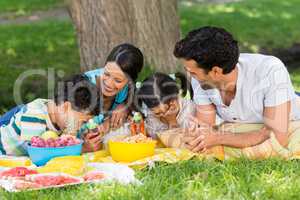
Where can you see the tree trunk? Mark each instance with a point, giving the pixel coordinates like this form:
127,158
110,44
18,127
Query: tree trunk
151,25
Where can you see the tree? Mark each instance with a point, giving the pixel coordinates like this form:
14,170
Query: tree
151,25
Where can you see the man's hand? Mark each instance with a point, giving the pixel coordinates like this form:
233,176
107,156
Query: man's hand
200,137
119,116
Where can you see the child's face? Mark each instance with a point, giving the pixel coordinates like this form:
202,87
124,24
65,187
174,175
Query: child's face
113,80
166,109
69,119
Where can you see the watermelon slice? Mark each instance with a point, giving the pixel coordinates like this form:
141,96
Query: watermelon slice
53,179
17,172
23,185
94,176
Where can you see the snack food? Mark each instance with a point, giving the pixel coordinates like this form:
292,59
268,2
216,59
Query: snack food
49,134
16,172
62,141
137,125
139,138
11,161
94,176
131,148
73,165
23,185
52,179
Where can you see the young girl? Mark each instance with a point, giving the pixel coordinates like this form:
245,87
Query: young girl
166,108
76,100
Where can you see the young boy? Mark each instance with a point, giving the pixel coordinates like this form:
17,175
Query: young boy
75,101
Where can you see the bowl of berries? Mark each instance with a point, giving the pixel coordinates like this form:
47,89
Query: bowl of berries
42,150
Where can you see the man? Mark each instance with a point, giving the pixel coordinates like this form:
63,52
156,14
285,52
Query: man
239,87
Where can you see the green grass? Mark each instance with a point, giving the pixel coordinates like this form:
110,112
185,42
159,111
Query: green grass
270,179
52,44
26,6
47,45
295,75
255,23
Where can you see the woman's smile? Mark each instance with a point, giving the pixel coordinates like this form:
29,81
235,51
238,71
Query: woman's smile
108,89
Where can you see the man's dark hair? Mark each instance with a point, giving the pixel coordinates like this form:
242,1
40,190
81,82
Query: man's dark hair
209,47
80,92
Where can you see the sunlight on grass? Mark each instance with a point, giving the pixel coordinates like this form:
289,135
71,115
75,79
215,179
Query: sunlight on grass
44,45
261,23
22,7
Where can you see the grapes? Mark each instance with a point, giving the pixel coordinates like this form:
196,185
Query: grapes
36,141
62,141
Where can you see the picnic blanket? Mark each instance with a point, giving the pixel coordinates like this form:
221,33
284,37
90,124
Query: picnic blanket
268,149
176,150
168,155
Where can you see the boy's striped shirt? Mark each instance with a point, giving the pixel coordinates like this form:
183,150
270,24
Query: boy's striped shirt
32,120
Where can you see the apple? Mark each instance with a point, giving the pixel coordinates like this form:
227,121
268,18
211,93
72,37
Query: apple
49,135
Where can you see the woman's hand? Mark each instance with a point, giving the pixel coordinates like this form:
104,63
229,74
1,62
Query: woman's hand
92,142
119,116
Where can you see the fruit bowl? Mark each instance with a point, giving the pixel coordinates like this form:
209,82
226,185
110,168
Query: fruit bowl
40,154
124,151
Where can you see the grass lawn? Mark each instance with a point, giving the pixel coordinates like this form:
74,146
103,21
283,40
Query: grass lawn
22,7
51,44
270,179
47,45
256,23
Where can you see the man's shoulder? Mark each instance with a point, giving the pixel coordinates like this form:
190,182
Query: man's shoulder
262,59
259,65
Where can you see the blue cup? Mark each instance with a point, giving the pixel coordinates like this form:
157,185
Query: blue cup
41,155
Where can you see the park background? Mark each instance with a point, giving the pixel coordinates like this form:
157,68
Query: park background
39,34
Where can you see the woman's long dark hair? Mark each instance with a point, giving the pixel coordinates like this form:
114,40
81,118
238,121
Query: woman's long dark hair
161,88
129,58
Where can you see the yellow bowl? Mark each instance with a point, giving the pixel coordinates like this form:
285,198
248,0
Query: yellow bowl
129,152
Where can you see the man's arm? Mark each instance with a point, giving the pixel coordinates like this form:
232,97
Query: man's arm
276,119
206,114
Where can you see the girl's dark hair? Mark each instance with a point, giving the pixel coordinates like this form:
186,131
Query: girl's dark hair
161,88
80,92
129,58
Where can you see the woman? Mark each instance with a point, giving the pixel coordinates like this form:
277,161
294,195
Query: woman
115,82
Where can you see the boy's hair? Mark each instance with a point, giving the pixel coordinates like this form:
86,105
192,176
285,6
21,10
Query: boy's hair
209,47
161,88
80,92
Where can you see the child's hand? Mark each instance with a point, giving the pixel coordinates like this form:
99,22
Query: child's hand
171,116
92,142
